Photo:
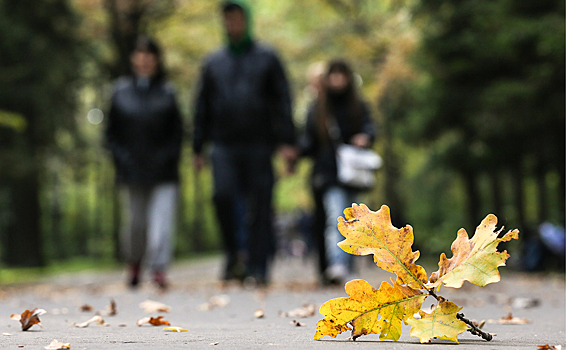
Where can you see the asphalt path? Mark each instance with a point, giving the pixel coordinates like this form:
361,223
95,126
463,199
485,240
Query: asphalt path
226,317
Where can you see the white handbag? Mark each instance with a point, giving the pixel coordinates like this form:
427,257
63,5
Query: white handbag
356,166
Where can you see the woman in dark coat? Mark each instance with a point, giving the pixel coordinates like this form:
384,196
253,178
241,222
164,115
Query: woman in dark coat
338,115
144,134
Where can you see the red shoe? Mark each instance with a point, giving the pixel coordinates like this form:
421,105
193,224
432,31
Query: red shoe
160,279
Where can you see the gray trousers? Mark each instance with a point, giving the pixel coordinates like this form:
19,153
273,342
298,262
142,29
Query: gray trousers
147,231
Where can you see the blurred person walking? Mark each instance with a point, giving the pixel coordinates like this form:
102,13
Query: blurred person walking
243,107
338,115
144,134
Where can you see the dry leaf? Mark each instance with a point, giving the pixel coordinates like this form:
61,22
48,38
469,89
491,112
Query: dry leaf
175,329
111,310
152,307
85,308
297,323
155,321
259,313
369,310
215,301
28,318
306,310
6,334
57,345
510,319
549,347
99,321
371,232
475,260
214,343
441,323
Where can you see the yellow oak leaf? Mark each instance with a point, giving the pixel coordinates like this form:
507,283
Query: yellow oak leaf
475,260
441,323
371,232
362,310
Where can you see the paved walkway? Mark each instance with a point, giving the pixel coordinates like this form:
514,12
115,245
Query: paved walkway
234,326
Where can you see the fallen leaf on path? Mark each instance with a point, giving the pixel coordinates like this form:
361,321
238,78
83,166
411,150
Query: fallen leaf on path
57,345
475,260
29,318
510,319
215,301
6,334
152,307
369,310
85,308
111,310
297,323
214,343
441,323
175,329
155,321
99,321
304,311
549,347
259,313
524,303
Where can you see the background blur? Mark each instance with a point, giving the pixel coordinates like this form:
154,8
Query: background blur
468,96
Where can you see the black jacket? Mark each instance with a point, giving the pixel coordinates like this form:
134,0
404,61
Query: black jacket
243,99
144,132
323,152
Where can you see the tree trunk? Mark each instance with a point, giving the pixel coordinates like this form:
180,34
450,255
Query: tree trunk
496,192
472,192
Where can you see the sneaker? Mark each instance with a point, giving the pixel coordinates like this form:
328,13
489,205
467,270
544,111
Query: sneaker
160,279
135,269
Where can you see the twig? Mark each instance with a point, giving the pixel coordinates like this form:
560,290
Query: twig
473,328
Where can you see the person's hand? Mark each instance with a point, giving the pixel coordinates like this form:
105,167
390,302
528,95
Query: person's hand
360,140
290,154
198,162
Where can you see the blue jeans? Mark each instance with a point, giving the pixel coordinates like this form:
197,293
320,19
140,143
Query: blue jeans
335,199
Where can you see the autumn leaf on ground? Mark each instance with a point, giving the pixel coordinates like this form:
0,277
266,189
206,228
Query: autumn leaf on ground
549,347
85,308
175,329
215,301
57,345
369,310
99,321
441,323
154,321
304,311
29,318
371,232
152,307
510,319
111,310
475,260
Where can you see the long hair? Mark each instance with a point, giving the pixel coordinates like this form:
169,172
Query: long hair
146,43
324,106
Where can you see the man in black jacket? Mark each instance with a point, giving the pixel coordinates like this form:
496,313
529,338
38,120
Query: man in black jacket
244,108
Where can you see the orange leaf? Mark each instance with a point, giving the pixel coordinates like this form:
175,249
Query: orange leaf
29,318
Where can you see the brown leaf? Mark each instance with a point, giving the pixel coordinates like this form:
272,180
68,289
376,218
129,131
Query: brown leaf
28,318
57,345
307,310
297,323
99,321
549,347
111,309
155,321
510,319
85,308
151,306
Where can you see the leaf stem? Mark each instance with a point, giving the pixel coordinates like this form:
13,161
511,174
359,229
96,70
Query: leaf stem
473,328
